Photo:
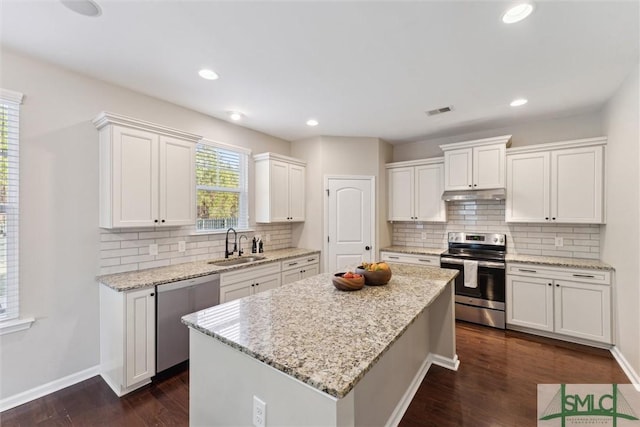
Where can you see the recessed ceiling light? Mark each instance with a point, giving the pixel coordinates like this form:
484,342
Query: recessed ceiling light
312,122
518,102
83,7
517,13
208,74
235,115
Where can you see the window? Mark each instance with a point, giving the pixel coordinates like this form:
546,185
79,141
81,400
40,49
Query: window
221,186
9,115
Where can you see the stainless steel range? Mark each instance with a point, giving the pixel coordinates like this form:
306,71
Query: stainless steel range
480,295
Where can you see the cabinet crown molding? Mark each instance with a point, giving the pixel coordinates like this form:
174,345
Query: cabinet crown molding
420,162
105,118
275,156
504,139
574,143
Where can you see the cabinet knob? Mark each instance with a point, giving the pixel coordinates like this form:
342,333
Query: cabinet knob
367,248
554,218
469,185
547,218
475,185
155,220
557,285
163,220
549,284
152,294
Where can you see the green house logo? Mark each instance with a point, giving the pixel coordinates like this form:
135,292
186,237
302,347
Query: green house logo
588,407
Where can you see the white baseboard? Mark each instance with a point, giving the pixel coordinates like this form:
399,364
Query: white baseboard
403,405
626,367
446,362
43,390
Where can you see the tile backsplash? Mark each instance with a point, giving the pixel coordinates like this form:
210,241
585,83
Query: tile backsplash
128,249
579,241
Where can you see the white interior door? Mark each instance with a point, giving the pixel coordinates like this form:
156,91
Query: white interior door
349,222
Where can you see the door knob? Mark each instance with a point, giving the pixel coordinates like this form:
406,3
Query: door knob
366,248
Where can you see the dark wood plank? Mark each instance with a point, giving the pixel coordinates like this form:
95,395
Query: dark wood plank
496,385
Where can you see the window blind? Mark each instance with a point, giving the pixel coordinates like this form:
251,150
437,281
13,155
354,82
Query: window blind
221,187
9,137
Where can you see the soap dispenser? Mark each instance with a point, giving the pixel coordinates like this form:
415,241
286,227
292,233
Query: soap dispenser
260,248
254,245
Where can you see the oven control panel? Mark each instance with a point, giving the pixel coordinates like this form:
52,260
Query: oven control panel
478,238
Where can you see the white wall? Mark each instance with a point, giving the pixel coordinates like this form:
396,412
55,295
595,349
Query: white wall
621,237
59,235
583,125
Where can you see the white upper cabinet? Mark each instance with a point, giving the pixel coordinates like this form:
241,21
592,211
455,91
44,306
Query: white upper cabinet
415,190
280,188
147,173
475,165
559,182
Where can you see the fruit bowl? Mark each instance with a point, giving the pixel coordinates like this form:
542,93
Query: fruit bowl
380,275
348,283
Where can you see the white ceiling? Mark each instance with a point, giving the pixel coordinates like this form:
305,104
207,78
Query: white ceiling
361,68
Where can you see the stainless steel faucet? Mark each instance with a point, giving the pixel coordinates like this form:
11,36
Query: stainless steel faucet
240,252
226,243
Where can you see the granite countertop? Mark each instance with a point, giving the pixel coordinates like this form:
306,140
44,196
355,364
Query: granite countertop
172,273
552,261
322,336
592,264
413,250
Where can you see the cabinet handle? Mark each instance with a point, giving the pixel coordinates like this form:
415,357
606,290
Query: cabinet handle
527,271
292,264
586,276
393,257
310,259
424,260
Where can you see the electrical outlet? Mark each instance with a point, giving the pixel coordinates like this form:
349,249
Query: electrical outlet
182,246
259,412
559,242
419,226
153,249
268,238
423,235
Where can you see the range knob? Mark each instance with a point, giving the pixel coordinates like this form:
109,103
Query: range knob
495,240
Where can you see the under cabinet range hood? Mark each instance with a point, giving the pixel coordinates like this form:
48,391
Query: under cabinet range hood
461,195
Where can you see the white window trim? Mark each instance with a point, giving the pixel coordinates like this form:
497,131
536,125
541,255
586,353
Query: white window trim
15,323
241,150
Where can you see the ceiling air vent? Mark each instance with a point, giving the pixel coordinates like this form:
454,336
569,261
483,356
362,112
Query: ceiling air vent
439,111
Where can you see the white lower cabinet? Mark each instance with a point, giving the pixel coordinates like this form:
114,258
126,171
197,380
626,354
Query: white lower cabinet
249,281
127,338
574,303
429,260
299,268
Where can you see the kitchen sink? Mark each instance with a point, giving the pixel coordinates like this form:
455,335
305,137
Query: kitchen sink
236,261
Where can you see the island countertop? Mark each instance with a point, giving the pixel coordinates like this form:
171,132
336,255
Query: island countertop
324,337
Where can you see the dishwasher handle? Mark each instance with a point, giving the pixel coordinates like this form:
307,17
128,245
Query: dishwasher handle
168,287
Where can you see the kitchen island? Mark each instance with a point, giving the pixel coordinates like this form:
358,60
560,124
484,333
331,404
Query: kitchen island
319,356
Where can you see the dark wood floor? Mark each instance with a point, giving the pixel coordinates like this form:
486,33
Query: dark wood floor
495,386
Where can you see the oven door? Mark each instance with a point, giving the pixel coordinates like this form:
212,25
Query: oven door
490,291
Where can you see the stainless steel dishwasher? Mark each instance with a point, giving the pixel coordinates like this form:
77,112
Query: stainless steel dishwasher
173,301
